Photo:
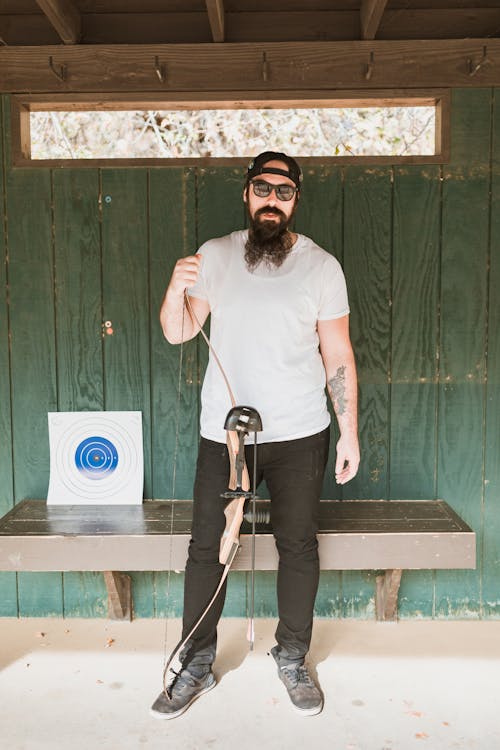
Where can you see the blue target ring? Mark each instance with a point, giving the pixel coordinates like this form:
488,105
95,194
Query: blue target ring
96,457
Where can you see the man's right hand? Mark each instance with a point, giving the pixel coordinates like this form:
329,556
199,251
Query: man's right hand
185,274
176,324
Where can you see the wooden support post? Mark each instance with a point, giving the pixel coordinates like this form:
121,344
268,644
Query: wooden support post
119,595
386,597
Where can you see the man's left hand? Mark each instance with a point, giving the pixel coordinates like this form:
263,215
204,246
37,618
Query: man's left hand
347,463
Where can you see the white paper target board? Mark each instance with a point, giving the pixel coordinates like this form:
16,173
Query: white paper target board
96,458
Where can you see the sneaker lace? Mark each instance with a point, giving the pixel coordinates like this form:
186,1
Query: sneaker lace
180,680
298,675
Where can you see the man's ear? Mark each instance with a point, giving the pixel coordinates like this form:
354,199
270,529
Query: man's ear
245,194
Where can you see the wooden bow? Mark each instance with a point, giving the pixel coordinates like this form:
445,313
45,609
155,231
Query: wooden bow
238,494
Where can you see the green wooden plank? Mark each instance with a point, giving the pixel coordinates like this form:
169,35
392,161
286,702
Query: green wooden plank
8,581
367,263
175,413
470,130
460,483
143,594
464,272
168,594
319,211
265,599
416,595
465,246
413,441
358,594
415,332
40,595
78,290
237,596
7,496
32,326
415,269
8,595
491,546
79,331
85,595
126,305
329,601
220,207
33,354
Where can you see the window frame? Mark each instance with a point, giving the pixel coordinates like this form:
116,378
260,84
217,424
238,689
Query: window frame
22,105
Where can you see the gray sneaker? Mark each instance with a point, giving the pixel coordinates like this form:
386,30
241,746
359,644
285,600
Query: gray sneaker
185,689
305,696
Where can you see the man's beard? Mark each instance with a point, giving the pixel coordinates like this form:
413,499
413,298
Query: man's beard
268,241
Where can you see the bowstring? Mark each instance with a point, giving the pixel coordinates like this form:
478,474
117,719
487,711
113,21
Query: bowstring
174,478
210,347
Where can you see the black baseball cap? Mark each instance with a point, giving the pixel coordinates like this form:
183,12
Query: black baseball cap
258,166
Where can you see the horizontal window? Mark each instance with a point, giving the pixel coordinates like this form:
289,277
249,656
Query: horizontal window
337,130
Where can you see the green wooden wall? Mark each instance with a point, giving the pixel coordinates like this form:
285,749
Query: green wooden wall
420,246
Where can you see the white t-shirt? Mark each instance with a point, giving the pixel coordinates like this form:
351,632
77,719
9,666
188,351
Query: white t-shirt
263,329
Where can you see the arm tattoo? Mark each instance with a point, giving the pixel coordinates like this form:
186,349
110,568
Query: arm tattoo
337,385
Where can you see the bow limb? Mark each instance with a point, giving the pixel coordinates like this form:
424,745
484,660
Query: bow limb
198,622
228,549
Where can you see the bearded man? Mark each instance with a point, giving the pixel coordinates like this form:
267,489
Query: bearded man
280,326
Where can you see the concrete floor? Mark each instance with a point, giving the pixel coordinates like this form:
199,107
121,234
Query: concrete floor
85,684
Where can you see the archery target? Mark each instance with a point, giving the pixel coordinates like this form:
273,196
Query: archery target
96,458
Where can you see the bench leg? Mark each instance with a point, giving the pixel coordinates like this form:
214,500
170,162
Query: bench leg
386,597
119,595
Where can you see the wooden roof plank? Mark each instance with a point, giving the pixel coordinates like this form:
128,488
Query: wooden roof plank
34,29
64,17
31,29
215,10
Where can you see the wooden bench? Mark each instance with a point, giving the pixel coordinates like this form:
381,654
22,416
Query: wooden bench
390,536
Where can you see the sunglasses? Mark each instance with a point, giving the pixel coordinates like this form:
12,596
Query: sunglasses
283,192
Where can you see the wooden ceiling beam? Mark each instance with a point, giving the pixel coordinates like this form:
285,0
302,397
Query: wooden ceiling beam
251,67
64,17
215,10
371,15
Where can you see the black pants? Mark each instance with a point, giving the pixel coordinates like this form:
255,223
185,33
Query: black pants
293,471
